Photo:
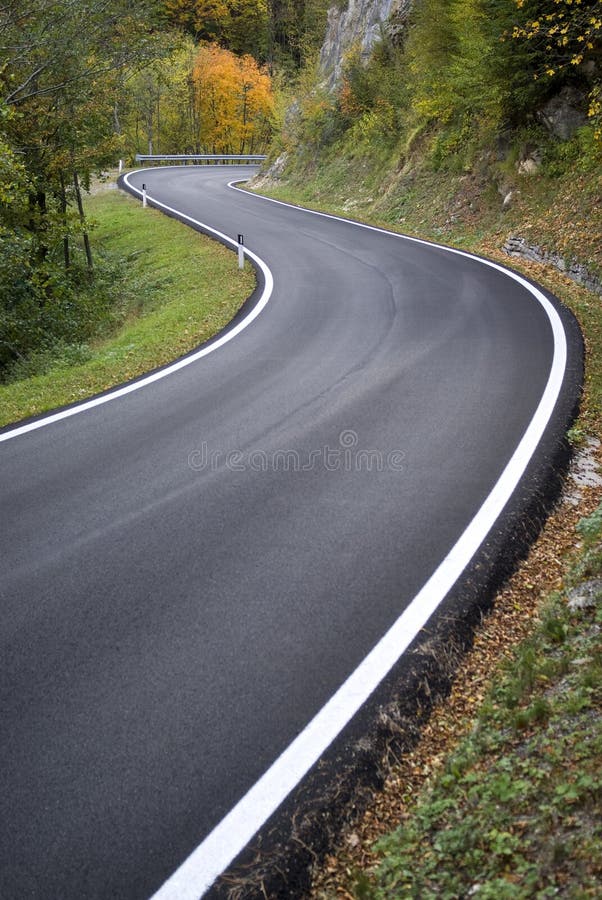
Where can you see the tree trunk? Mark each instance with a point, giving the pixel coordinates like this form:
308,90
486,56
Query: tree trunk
82,217
158,122
38,223
116,122
64,215
149,128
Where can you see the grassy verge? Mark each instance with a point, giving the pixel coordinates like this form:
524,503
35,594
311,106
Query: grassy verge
177,289
515,811
502,797
521,708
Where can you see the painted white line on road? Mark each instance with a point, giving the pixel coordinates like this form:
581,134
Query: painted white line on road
178,364
198,872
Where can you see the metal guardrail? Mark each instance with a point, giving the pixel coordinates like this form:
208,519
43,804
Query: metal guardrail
224,158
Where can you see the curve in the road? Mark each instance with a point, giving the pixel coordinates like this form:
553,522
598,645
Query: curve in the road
131,584
196,875
208,347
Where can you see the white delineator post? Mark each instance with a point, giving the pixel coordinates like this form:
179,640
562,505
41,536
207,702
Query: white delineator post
241,251
120,166
144,196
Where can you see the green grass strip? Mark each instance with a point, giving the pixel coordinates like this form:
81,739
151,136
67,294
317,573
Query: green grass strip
516,811
179,289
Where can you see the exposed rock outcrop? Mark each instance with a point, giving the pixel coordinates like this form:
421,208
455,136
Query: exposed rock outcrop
529,161
564,113
272,174
518,246
360,24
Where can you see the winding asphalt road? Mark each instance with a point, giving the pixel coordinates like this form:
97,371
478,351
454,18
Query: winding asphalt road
191,571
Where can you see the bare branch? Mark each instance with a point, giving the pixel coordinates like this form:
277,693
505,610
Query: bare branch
10,99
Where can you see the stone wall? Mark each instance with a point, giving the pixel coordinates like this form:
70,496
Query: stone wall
518,246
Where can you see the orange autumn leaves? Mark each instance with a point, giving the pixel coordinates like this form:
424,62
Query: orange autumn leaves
234,101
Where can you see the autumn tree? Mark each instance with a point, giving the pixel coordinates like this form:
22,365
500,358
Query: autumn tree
234,101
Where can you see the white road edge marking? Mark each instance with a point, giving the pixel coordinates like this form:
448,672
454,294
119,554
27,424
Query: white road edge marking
180,363
199,871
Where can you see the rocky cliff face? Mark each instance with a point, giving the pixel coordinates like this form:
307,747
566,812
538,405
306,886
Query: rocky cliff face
360,24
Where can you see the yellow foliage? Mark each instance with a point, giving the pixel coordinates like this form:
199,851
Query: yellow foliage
569,28
234,101
571,33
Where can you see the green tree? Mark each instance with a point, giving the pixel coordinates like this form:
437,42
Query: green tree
63,65
159,110
62,79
